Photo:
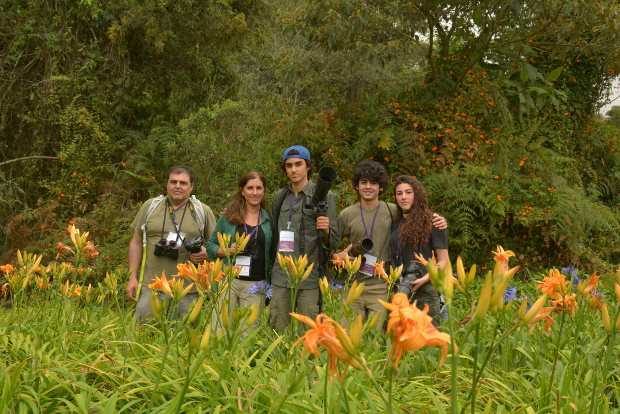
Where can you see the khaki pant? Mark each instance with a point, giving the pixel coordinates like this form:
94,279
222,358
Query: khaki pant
368,303
307,303
143,307
239,297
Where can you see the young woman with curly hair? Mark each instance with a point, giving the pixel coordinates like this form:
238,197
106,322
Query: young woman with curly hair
415,233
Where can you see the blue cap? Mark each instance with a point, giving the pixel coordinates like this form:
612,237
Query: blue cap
296,151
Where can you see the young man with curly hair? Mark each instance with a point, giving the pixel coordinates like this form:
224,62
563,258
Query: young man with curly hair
371,219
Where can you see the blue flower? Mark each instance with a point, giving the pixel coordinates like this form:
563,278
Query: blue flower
573,272
510,294
336,286
260,287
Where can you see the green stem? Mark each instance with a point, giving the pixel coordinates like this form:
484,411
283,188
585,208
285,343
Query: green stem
374,381
345,396
608,356
556,354
191,371
293,307
474,371
390,382
454,362
325,399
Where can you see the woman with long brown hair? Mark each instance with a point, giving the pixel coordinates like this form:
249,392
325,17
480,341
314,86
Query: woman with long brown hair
246,213
415,234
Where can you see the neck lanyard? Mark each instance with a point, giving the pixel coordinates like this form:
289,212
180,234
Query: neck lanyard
176,227
368,234
255,230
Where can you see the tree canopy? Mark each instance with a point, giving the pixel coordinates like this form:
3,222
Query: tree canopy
492,104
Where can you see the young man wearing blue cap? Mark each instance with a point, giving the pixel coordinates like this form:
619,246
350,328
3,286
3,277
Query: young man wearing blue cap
298,231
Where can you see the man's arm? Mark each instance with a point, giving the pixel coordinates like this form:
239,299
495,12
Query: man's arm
134,259
439,222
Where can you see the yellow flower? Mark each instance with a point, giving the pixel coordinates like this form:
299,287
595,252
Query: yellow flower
193,315
42,282
537,312
617,290
223,241
324,286
484,300
605,318
179,289
355,291
464,280
297,269
241,241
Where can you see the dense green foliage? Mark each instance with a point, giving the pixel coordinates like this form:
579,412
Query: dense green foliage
79,356
491,103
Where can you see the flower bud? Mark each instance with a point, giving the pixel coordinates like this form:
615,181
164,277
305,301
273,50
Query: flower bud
605,318
355,291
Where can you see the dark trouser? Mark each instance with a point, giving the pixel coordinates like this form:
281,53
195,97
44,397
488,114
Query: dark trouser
427,295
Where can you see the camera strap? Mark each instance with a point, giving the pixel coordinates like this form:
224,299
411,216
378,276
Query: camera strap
177,227
368,233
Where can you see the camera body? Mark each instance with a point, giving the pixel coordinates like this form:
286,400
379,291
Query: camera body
194,245
169,248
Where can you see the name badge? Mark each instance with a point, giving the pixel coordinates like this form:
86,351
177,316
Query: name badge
178,238
244,263
368,268
287,241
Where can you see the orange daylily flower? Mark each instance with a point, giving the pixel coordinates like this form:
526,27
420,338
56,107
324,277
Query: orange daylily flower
380,270
412,329
161,283
90,250
554,284
324,332
566,303
502,257
203,275
7,268
337,261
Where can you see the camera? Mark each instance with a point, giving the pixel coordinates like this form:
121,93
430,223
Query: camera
167,248
194,245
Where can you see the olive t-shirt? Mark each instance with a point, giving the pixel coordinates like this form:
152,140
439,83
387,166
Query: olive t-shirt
188,227
356,223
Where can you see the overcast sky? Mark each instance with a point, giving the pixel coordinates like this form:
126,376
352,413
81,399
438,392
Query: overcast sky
614,96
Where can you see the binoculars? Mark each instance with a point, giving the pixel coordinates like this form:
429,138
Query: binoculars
169,248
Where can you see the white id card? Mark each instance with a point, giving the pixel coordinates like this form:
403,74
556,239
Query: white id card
287,241
172,236
368,268
244,262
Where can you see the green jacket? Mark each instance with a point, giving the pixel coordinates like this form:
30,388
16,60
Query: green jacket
226,227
